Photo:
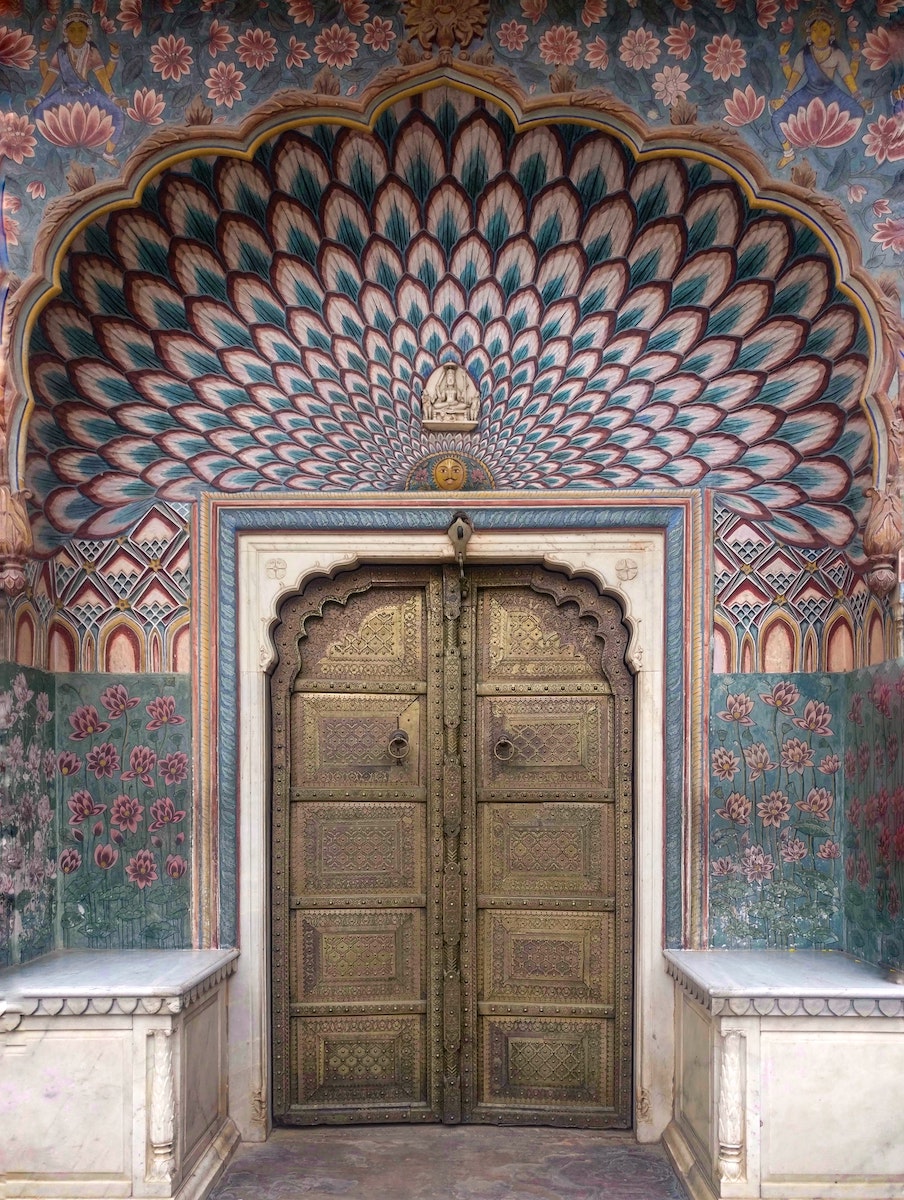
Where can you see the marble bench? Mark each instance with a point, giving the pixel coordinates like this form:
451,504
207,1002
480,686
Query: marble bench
113,1074
789,1076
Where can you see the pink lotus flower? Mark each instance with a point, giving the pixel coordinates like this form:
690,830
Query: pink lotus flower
379,34
147,107
816,124
173,768
818,802
68,763
639,49
560,46
512,35
864,870
774,808
36,189
766,12
744,107
171,57
722,866
105,856
829,850
597,54
256,49
224,84
757,865
298,53
816,718
117,701
86,722
302,11
126,813
593,12
533,10
69,862
856,711
880,47
670,84
792,850
142,869
162,711
175,866
757,758
738,708
725,763
356,11
82,805
219,37
336,46
884,140
890,234
142,761
796,755
103,760
899,844
679,40
724,56
129,17
16,48
16,141
736,809
165,812
784,696
76,125
855,192
830,764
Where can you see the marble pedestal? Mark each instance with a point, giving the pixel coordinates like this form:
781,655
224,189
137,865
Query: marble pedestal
113,1074
789,1067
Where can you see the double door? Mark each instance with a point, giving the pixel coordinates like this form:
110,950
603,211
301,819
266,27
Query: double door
452,850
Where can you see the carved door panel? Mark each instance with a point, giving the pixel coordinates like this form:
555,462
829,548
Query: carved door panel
549,1038
356,932
452,851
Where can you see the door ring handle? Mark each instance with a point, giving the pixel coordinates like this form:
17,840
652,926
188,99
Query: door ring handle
504,749
399,745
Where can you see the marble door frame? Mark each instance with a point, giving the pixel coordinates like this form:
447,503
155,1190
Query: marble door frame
629,563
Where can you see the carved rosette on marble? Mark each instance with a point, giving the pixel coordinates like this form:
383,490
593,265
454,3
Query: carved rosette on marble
161,1163
15,539
731,1110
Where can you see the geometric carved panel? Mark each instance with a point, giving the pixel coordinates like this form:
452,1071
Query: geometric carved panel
527,637
545,958
355,851
347,741
359,956
552,742
350,1061
381,637
547,850
543,1061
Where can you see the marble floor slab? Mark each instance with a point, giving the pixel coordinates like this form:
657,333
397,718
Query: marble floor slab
441,1163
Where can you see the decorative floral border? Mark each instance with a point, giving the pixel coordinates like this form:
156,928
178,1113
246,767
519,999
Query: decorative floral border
776,749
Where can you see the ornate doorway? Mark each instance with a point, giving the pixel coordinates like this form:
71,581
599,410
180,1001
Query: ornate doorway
452,877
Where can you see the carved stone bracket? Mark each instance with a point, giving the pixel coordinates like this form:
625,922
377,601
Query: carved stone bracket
731,1110
15,539
882,540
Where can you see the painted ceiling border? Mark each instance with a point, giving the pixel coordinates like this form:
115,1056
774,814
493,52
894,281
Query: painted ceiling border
678,515
594,108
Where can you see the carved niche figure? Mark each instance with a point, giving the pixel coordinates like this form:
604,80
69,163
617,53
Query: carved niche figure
450,399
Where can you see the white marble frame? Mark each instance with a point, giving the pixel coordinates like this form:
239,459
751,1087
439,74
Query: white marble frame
627,564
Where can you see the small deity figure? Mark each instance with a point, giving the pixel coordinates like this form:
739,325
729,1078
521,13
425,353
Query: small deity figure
814,75
450,399
66,78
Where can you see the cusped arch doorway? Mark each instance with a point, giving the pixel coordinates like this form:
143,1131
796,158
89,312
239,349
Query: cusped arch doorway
452,850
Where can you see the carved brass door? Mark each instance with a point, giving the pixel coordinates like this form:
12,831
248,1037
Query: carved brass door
452,850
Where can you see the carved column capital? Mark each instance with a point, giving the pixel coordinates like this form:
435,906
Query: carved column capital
15,539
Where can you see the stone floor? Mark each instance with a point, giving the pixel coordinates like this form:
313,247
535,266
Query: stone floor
442,1163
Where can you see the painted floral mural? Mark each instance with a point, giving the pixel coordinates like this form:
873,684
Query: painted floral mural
776,750
125,802
816,90
874,835
27,814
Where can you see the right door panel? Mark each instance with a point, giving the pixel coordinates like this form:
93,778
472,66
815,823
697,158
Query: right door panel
552,842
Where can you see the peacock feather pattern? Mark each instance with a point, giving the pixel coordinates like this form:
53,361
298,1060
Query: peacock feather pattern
268,325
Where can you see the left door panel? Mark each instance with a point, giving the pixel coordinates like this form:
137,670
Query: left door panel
357,844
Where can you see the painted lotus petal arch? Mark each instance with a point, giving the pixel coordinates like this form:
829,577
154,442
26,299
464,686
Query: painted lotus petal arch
270,323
